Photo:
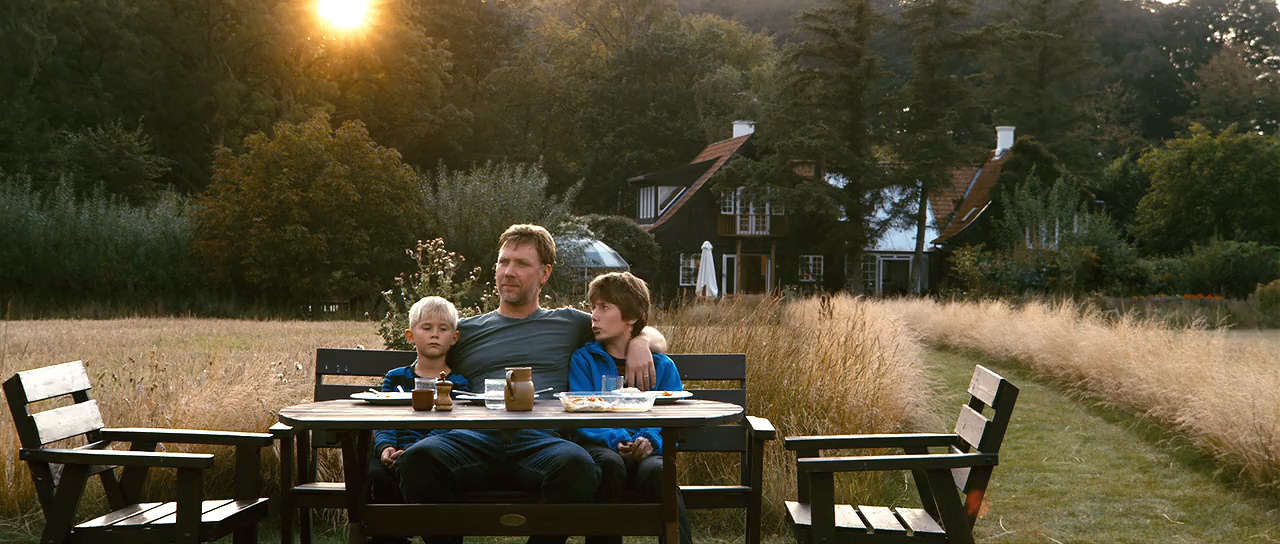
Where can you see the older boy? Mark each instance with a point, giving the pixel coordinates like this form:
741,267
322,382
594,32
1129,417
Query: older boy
433,329
629,459
519,333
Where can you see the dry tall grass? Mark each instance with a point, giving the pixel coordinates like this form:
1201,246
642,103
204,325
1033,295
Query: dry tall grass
179,373
848,368
1221,393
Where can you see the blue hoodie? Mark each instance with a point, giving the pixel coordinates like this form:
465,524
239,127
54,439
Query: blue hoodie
585,368
403,438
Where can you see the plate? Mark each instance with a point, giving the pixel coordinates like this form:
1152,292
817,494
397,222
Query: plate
671,397
386,399
477,399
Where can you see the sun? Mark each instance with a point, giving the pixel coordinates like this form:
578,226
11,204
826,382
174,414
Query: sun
343,14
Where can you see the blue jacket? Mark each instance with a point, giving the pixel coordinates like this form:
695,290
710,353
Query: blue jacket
592,361
403,438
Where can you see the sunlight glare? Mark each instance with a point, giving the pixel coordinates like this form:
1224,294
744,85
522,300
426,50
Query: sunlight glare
343,14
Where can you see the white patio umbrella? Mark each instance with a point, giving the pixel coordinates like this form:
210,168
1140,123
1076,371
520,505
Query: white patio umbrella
706,284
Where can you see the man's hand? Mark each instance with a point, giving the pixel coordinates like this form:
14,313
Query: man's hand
637,450
640,373
389,456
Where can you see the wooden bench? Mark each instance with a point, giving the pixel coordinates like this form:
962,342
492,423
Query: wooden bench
965,463
61,474
745,439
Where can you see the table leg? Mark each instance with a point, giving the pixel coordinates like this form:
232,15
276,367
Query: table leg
355,459
670,514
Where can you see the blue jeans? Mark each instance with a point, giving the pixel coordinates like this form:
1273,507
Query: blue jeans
438,469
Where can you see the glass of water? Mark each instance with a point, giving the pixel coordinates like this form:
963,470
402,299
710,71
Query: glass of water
612,383
495,393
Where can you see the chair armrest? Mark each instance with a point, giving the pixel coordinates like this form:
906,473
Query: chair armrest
117,457
895,462
280,431
858,441
759,428
187,436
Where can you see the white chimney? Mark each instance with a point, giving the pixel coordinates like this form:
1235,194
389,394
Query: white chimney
743,128
1004,139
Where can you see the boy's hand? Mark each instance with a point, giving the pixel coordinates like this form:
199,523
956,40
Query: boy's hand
640,373
641,448
389,456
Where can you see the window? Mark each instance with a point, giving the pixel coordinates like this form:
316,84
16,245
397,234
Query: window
811,268
869,265
648,201
729,203
689,269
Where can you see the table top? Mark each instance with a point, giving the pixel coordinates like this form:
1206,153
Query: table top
348,414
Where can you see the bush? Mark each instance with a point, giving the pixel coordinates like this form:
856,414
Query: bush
1165,275
438,272
1267,299
60,250
115,158
311,214
1232,269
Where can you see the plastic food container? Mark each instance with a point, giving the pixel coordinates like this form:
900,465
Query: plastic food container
606,401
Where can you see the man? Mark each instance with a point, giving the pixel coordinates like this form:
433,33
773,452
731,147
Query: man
519,333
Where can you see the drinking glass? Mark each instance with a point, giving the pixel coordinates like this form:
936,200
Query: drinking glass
612,383
495,393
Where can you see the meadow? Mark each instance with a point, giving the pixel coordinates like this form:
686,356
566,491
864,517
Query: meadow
1217,389
843,368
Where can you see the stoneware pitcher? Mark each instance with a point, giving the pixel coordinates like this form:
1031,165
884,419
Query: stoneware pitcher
519,391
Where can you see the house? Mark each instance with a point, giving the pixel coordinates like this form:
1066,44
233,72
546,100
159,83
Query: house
888,259
754,249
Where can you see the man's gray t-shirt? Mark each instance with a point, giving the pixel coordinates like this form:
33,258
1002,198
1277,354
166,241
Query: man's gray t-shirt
545,340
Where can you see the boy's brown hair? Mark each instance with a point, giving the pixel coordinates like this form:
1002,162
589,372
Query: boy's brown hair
531,234
629,293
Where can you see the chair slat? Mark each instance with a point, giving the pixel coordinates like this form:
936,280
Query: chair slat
919,521
881,519
52,381
360,362
711,366
206,507
732,438
970,426
732,396
984,385
67,421
846,517
119,515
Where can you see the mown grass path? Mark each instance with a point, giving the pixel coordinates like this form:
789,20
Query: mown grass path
1072,471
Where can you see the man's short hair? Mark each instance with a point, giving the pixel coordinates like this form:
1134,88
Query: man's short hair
433,306
629,293
531,234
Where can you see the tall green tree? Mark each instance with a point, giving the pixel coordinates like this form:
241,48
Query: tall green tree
1206,186
1042,80
938,104
1229,91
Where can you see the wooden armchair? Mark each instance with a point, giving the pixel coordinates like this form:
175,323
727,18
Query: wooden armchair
946,516
60,475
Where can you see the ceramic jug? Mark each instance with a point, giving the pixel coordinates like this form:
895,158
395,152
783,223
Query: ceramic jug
519,390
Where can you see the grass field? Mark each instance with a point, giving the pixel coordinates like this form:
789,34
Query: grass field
812,370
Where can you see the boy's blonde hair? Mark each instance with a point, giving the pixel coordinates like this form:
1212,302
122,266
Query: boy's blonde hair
433,306
626,291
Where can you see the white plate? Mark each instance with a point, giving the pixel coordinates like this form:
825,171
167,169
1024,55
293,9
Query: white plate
669,397
392,398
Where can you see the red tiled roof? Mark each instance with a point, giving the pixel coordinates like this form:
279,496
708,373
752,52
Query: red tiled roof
721,152
976,193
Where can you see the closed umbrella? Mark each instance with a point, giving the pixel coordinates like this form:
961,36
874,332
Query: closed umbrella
706,285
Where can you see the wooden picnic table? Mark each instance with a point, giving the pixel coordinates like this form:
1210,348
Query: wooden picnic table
354,421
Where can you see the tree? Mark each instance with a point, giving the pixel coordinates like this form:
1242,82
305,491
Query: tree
308,214
1121,188
119,159
938,104
1204,186
1229,91
1043,79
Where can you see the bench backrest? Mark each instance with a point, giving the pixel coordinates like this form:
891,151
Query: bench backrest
35,430
990,393
720,377
354,362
